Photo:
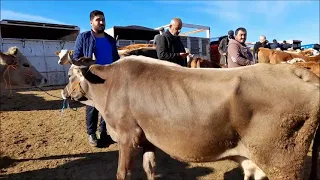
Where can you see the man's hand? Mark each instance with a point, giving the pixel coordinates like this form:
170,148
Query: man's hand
184,55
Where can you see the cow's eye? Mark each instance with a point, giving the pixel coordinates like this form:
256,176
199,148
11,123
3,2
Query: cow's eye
25,65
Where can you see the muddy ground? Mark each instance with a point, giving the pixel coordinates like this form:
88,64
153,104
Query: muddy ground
38,143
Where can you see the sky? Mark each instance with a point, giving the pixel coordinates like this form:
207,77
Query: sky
281,20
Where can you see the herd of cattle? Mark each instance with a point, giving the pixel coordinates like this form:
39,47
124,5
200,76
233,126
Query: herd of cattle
264,116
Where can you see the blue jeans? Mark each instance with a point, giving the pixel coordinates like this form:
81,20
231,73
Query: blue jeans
92,115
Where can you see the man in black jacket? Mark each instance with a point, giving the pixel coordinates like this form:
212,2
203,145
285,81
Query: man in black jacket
262,43
156,37
223,47
285,45
169,46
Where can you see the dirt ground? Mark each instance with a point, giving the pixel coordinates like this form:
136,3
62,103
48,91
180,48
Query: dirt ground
38,142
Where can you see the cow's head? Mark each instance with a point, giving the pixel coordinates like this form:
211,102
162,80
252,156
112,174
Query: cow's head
65,56
80,79
17,71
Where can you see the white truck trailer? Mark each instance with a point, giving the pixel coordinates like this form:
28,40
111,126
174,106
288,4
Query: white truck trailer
127,35
39,43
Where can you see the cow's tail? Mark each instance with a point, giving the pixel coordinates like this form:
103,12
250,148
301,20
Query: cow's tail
314,161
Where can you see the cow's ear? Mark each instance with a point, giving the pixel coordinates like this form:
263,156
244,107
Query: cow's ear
99,70
13,50
57,53
70,52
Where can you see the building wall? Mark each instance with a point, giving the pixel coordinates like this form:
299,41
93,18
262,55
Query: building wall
42,55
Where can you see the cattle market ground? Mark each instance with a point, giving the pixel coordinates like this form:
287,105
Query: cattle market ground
37,143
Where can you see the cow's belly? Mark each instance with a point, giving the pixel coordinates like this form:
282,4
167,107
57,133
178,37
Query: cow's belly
191,142
188,125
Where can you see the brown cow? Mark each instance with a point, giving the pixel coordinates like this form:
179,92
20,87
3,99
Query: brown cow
311,66
266,55
142,51
305,52
135,46
17,71
136,49
202,115
198,62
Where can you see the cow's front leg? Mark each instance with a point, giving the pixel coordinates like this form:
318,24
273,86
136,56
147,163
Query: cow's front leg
126,158
149,160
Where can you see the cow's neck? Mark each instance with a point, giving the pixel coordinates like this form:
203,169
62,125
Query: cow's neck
3,68
98,94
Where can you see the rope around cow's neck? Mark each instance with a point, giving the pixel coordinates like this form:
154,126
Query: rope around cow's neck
14,67
31,76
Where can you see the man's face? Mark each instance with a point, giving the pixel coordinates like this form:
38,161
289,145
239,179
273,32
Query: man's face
98,23
241,36
175,28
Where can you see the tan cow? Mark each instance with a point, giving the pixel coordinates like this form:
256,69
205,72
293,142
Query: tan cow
202,115
17,71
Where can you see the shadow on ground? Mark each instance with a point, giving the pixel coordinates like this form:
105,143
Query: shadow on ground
21,100
103,165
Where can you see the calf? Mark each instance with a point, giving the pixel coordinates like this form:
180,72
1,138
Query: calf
183,111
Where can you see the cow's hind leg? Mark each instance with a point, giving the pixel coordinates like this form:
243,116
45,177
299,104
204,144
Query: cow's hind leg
149,160
250,169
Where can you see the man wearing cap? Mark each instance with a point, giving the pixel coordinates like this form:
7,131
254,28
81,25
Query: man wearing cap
223,47
156,37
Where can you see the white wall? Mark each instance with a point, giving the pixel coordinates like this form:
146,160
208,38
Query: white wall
42,55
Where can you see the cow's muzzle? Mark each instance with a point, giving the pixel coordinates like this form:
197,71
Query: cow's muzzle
73,91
